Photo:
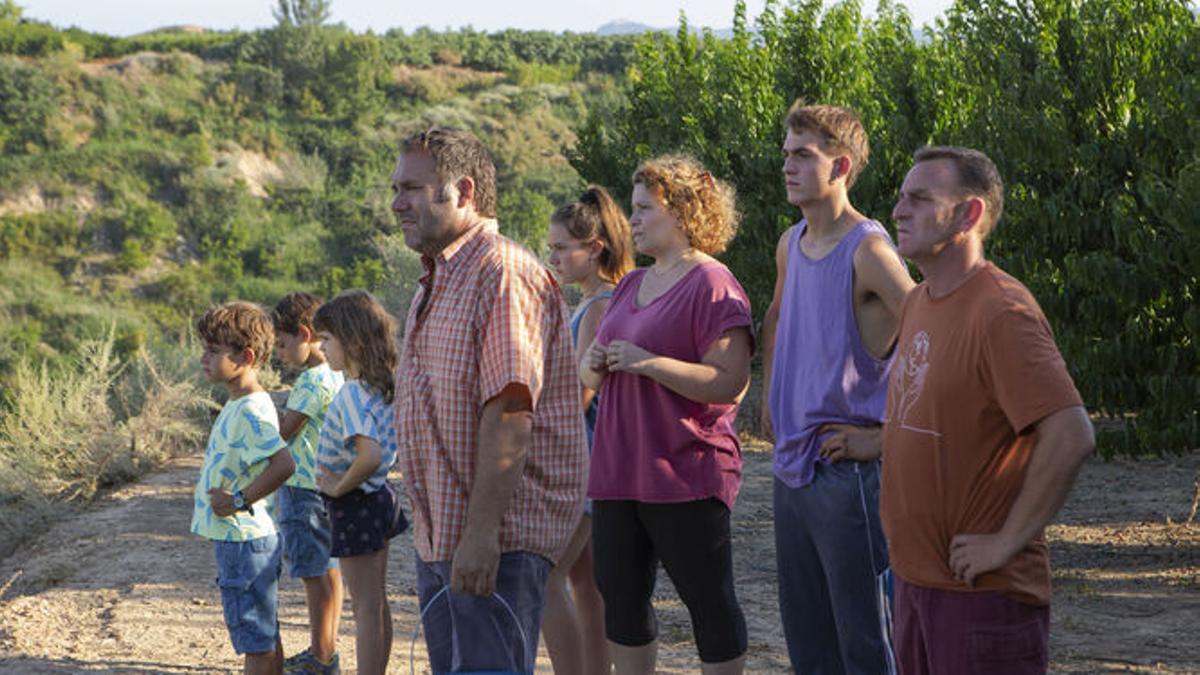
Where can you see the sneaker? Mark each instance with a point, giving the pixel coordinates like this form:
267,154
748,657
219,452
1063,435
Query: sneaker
296,659
305,662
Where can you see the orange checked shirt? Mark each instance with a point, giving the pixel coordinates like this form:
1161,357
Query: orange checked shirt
494,317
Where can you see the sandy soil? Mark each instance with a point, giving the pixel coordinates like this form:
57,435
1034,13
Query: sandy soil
123,588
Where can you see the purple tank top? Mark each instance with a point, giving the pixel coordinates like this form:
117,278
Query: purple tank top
821,372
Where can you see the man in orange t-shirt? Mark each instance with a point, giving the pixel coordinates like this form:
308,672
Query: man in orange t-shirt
983,437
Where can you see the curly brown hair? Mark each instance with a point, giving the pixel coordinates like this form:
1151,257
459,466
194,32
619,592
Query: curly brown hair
293,311
238,326
368,336
840,127
706,207
595,216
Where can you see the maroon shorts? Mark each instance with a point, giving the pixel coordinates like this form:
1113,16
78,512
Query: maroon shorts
940,632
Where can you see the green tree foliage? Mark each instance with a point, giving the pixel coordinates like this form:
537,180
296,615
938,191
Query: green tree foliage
1089,107
256,90
504,50
23,37
1098,221
330,72
524,213
302,13
354,78
298,54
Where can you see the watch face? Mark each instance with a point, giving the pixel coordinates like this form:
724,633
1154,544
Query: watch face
238,500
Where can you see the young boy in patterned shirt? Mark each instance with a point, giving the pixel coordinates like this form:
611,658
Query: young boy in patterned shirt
303,518
244,462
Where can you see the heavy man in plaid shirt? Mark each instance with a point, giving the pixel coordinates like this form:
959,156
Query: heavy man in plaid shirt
491,441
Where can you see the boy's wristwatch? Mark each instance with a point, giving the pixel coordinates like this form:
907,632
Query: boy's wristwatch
239,501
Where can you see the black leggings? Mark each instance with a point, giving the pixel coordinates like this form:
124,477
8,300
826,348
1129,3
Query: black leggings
693,542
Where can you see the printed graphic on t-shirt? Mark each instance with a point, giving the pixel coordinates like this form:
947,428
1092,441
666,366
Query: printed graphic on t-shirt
243,439
908,382
311,395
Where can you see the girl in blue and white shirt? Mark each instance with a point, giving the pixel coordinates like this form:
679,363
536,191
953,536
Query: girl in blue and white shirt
356,449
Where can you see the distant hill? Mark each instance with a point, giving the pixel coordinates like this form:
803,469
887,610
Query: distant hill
627,27
181,29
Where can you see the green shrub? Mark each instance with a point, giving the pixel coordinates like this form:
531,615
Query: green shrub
40,236
183,292
149,226
27,99
526,74
524,215
260,88
366,273
132,258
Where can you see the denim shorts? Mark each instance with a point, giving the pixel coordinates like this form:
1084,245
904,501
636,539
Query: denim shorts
472,634
307,535
248,574
363,522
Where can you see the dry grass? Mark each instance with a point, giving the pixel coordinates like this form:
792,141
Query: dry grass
70,431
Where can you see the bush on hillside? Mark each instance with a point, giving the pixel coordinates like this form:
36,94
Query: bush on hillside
27,99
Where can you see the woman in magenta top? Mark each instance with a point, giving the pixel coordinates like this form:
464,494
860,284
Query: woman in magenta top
671,360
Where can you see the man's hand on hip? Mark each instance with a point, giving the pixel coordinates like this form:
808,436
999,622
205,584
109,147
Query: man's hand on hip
972,555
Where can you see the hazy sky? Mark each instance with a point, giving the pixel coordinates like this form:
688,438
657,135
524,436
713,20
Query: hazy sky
125,17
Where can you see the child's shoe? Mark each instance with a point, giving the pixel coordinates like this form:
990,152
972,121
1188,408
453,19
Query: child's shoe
306,663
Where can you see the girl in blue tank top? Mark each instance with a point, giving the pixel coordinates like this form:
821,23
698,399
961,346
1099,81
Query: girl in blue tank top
589,244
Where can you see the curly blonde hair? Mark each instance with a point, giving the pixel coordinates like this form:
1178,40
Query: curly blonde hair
706,207
368,336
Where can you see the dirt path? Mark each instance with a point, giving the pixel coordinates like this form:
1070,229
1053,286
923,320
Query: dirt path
123,588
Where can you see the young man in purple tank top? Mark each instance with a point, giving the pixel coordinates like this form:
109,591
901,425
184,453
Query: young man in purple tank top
828,338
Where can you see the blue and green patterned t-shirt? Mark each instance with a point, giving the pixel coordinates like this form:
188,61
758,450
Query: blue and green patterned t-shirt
243,438
311,396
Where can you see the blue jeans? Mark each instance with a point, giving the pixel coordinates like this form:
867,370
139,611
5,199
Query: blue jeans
472,634
307,535
834,579
248,574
